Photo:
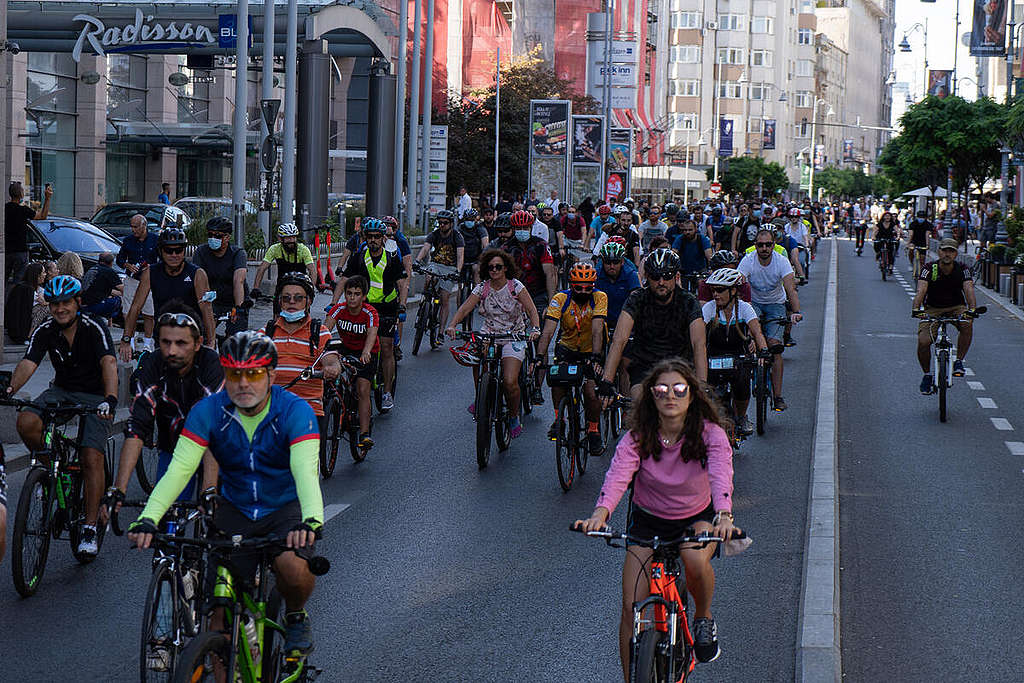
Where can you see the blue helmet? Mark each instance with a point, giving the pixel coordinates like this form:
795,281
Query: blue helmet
62,288
373,225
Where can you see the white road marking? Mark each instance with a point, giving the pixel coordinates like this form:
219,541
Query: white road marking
986,402
334,509
968,372
1016,447
976,386
1002,424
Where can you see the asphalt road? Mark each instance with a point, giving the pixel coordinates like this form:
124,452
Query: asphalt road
445,573
930,535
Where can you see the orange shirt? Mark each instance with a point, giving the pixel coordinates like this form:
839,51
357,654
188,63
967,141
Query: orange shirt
293,357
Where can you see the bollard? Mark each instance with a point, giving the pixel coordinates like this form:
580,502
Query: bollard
1004,284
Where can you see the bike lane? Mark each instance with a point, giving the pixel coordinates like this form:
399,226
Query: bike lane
930,541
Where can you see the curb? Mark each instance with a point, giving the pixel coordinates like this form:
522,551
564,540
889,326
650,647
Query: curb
17,455
818,656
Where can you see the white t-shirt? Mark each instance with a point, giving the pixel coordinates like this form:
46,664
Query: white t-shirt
766,281
465,204
744,314
797,232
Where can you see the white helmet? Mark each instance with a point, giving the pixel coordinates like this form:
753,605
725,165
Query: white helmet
288,230
622,208
724,277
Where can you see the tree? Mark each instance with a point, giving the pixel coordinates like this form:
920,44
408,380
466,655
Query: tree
844,182
746,175
470,121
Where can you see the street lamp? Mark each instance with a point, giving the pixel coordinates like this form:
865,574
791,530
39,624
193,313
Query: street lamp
814,138
686,179
981,92
905,47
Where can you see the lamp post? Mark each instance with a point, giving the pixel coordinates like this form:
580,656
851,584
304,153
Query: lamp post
905,47
981,92
686,179
814,140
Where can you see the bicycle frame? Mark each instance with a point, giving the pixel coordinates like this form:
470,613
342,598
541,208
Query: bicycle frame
235,602
669,612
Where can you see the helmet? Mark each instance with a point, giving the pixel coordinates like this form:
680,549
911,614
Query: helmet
470,215
794,212
296,278
582,272
662,262
521,219
671,209
390,221
465,354
374,225
62,288
604,210
171,237
622,208
613,249
617,239
248,349
724,277
717,211
288,230
628,200
502,221
445,215
218,224
541,206
721,259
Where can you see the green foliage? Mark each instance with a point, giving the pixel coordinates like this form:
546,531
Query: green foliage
742,175
846,183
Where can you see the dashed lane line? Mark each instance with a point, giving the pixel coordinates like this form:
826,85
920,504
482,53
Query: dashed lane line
334,509
968,372
975,386
1002,424
1016,447
986,402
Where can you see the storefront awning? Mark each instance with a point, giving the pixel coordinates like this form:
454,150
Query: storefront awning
177,135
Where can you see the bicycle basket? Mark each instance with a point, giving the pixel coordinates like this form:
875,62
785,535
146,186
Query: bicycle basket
464,355
565,375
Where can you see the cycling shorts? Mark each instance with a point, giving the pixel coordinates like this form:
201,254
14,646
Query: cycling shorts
369,369
644,524
738,379
229,520
94,431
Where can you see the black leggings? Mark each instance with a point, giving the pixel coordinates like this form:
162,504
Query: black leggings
860,231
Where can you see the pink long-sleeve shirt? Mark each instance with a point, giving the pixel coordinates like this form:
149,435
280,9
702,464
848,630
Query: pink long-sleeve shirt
669,487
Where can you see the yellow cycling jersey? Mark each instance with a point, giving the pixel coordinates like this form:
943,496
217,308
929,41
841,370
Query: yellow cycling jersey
576,321
778,247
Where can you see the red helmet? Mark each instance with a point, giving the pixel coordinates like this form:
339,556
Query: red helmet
604,210
521,219
618,239
390,220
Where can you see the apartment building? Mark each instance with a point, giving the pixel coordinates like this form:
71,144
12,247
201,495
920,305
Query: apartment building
830,83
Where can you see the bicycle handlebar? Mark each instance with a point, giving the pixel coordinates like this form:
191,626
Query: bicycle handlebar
318,564
49,408
425,270
689,536
967,316
115,524
493,337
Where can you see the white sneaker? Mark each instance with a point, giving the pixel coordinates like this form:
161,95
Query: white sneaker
88,545
387,402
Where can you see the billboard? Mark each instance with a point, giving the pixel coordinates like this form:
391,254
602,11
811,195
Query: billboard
724,137
768,134
988,29
819,157
587,157
549,146
805,176
938,82
619,163
848,150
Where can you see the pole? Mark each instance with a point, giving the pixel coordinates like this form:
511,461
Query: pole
290,102
1004,175
609,26
814,140
403,48
497,123
412,198
238,126
428,96
686,178
956,43
3,158
267,91
924,90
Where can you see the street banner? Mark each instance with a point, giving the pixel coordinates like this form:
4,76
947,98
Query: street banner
988,30
549,146
724,137
819,157
938,82
619,163
847,150
586,182
587,158
805,177
768,134
616,185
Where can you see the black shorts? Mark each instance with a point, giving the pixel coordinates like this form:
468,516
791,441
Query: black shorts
637,371
645,525
738,378
571,355
369,369
229,520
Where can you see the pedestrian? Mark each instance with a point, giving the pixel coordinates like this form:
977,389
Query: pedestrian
465,202
22,300
138,252
226,266
165,194
586,209
102,288
16,222
70,263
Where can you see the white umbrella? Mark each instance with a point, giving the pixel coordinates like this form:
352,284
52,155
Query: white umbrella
940,193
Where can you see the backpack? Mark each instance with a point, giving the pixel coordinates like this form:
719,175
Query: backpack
314,334
18,313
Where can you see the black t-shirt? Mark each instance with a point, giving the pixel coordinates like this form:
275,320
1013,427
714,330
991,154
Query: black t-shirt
444,247
945,290
76,367
16,222
97,283
221,271
165,287
919,231
661,331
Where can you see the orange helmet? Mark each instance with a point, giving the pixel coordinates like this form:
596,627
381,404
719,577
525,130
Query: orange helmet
522,219
582,273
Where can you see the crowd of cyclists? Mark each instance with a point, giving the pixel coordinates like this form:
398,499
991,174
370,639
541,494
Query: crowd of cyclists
640,295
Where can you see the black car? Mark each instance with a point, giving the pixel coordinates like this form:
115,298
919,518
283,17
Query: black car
52,236
114,218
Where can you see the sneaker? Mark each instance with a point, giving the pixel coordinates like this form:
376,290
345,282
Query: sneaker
958,368
387,402
298,634
594,443
515,428
472,409
705,640
744,426
88,544
779,404
365,442
788,341
553,431
927,385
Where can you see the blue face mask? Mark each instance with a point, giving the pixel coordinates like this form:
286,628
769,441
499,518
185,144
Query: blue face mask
213,243
293,316
571,216
522,235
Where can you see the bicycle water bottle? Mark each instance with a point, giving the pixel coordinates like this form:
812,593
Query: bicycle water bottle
251,636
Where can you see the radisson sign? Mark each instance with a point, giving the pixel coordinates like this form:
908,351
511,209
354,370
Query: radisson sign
141,35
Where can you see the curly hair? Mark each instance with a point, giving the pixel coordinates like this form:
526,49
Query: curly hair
511,269
644,419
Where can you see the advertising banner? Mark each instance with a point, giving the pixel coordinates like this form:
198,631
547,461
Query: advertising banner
768,134
587,139
938,82
847,150
724,137
619,163
549,146
988,30
616,185
805,177
819,157
586,182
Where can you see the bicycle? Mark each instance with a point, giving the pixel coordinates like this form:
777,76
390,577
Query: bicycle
428,320
691,281
571,450
885,258
252,649
804,258
726,366
613,419
943,345
466,285
53,495
662,644
377,385
978,267
917,257
574,253
762,391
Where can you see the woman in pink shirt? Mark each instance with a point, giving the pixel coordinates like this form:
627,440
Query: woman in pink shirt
678,456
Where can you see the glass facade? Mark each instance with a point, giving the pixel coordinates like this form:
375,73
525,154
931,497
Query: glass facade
126,87
50,106
126,172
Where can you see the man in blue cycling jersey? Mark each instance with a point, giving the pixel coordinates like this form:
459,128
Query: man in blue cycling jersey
616,277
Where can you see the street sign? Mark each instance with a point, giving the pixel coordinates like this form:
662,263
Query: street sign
268,153
716,188
270,108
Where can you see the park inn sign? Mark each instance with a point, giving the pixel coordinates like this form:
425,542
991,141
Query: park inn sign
141,35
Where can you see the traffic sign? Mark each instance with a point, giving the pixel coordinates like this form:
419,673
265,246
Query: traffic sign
268,152
716,188
270,108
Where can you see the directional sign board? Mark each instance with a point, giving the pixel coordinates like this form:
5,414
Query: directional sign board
437,169
270,108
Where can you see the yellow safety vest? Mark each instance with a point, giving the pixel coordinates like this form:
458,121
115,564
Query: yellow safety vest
376,273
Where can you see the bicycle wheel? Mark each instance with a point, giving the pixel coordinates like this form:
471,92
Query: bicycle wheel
502,429
565,442
350,426
582,447
196,662
606,427
435,327
161,626
332,436
273,639
645,665
31,542
883,264
942,371
76,520
483,420
761,392
422,320
525,386
145,469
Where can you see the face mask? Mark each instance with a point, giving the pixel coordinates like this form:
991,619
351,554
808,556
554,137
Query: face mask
291,248
213,243
571,216
293,316
522,235
581,297
390,245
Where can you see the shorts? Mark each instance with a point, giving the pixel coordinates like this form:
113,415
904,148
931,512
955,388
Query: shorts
564,353
931,329
94,431
446,285
368,370
107,308
738,379
638,371
3,484
130,287
515,350
229,520
643,524
769,311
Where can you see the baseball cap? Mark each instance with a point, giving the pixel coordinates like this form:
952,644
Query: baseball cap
949,243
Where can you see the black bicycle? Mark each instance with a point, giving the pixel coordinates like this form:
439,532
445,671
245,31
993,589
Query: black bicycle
378,378
723,369
764,395
571,451
466,285
943,354
428,318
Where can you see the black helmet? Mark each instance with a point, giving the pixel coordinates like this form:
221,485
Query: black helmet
218,224
171,237
503,221
671,209
296,278
445,214
661,262
248,349
470,215
723,258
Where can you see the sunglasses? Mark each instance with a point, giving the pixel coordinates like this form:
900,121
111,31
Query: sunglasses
293,298
178,320
218,235
719,290
613,261
251,374
679,390
583,288
174,250
661,277
443,221
374,236
764,245
496,267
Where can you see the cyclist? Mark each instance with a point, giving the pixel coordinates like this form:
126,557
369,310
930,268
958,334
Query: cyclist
732,329
546,225
572,231
694,250
651,228
579,315
724,234
290,256
664,321
358,323
266,443
671,210
771,282
138,252
301,341
503,300
886,230
944,288
474,236
226,266
722,259
85,373
384,272
165,386
678,459
616,277
920,230
861,216
446,248
622,227
797,228
745,232
487,217
604,213
173,278
533,259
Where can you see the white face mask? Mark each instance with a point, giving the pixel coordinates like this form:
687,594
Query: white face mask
390,245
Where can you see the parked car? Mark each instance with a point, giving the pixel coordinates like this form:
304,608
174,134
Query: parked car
115,217
52,236
207,207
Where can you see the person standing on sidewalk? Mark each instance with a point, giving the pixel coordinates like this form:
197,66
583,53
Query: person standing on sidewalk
16,220
138,252
226,267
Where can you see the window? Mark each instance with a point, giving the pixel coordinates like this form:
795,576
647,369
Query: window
683,120
730,55
804,129
730,22
805,36
760,91
806,7
753,125
685,54
730,90
805,67
126,87
762,25
194,96
685,20
760,58
684,88
802,98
